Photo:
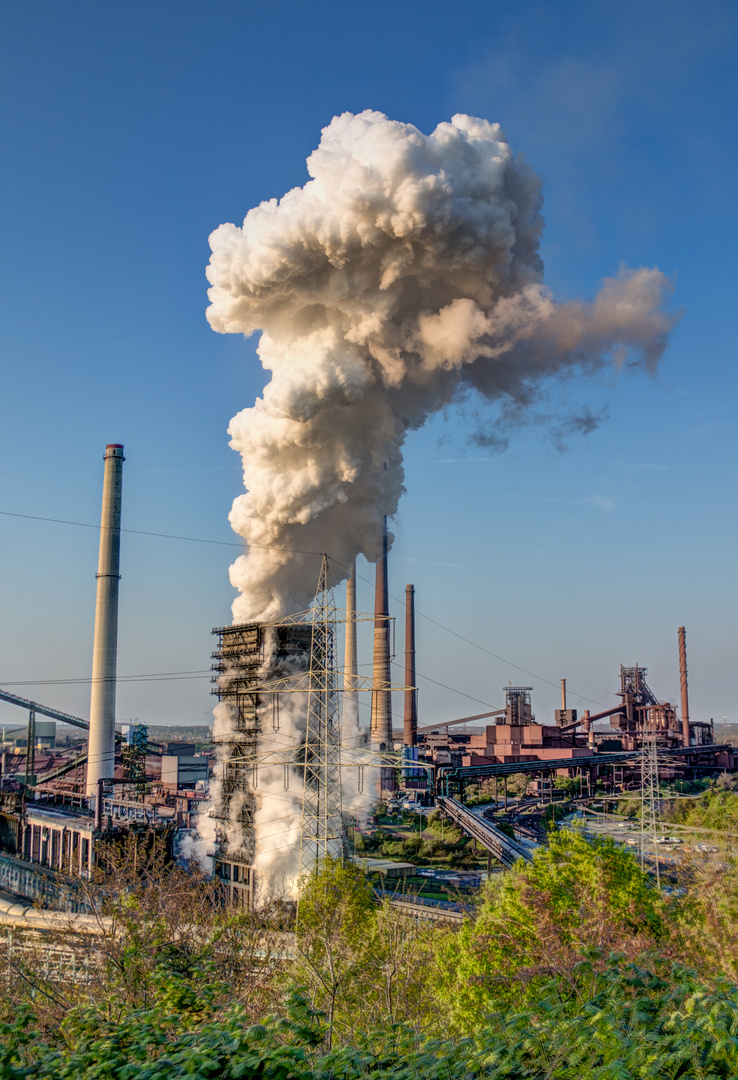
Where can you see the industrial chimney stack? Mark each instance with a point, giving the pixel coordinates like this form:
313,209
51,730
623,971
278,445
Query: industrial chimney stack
101,745
350,668
381,716
410,733
683,678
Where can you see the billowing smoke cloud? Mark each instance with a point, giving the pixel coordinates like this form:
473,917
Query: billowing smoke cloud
402,275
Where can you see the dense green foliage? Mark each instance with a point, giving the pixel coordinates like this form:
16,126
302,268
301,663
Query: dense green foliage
637,1024
716,808
576,900
572,966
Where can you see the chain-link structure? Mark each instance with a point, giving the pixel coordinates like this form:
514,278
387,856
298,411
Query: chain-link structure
322,823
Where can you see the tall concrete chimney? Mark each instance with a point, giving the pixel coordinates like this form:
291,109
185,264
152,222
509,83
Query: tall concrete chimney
683,677
350,666
101,744
410,731
381,716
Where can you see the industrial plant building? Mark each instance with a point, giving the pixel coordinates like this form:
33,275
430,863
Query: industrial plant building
278,688
254,665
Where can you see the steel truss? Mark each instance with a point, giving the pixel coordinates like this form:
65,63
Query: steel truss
321,834
650,794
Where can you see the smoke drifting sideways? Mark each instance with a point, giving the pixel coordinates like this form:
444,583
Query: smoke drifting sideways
403,275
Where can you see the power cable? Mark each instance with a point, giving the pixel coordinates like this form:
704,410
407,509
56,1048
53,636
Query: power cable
468,641
165,536
435,682
154,676
298,551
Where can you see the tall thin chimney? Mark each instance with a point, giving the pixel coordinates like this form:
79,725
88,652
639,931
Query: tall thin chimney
563,695
101,744
683,677
410,731
350,666
381,717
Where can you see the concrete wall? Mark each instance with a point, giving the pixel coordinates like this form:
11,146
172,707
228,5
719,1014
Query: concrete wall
178,771
40,884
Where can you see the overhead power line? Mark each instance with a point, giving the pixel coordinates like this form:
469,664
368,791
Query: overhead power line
475,644
299,551
164,536
148,677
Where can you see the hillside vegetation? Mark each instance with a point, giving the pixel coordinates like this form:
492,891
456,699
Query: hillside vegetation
572,966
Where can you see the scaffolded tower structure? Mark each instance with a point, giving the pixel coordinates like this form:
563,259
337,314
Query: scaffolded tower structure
518,710
642,711
256,664
251,664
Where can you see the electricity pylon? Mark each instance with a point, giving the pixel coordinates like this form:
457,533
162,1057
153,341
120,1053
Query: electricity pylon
650,798
322,824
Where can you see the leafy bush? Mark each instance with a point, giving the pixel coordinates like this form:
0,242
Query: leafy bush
573,965
541,919
656,1022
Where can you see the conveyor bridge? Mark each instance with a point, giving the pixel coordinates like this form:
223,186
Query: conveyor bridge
504,849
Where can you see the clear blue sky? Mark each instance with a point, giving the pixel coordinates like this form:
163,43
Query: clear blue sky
131,131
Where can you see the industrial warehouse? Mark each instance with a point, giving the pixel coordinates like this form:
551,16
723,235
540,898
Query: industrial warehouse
286,724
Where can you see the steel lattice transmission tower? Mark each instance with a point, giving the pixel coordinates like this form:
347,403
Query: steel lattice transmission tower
650,797
322,824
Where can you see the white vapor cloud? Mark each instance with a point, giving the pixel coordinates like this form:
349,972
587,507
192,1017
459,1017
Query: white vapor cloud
403,275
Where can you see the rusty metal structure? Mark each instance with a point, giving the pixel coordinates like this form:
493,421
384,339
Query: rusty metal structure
252,662
686,735
641,712
410,718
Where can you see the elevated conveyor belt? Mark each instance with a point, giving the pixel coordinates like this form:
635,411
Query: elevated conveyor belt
501,846
44,710
62,770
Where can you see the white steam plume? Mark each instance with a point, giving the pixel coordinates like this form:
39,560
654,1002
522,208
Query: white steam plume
405,272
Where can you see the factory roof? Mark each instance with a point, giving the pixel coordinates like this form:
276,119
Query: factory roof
70,819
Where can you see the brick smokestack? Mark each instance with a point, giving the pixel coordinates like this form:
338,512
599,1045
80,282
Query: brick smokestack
101,744
410,731
381,716
381,719
683,678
